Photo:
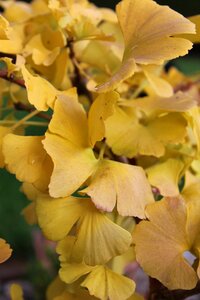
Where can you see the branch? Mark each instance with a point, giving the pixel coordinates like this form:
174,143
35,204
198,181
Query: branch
77,79
11,78
160,292
24,107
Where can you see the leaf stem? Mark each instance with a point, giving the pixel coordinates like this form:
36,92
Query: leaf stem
102,151
31,123
23,120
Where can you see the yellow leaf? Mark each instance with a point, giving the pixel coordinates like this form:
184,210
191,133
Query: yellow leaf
72,165
149,32
10,39
31,164
160,86
98,55
165,176
69,119
93,233
5,251
101,109
108,280
29,212
161,243
40,54
41,93
58,290
179,102
194,38
119,183
16,292
129,136
67,144
56,217
3,132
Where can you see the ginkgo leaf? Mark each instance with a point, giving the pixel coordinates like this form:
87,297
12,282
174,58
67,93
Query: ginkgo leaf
57,217
128,136
161,243
119,183
148,31
11,41
193,221
40,54
16,292
3,132
98,55
69,119
194,38
108,280
72,165
71,272
84,29
5,251
93,233
179,102
165,176
41,93
101,109
29,212
160,86
67,144
32,164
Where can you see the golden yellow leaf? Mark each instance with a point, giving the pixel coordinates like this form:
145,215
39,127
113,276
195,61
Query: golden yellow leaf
93,233
40,54
11,40
165,176
67,144
194,38
160,86
161,243
32,164
179,102
127,135
16,292
101,109
5,251
56,217
3,132
41,93
149,32
72,165
121,184
108,280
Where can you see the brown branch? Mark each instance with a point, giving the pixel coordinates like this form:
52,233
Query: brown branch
160,292
11,78
77,80
24,107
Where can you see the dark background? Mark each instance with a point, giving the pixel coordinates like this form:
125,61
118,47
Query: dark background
186,7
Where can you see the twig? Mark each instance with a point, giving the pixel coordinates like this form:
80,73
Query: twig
11,78
24,107
77,80
160,292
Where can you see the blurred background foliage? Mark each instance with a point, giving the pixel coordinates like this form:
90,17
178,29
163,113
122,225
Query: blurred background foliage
13,227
